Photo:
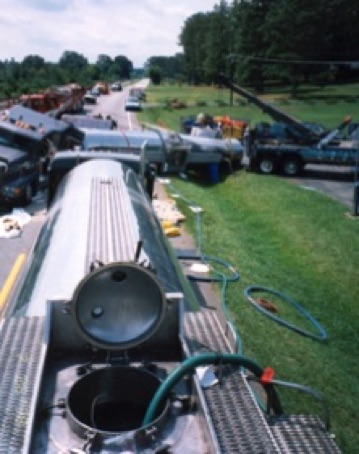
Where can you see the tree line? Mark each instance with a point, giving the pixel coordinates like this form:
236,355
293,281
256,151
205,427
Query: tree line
262,41
33,73
257,42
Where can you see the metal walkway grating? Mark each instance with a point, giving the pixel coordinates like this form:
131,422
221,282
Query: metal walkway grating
21,342
302,434
239,424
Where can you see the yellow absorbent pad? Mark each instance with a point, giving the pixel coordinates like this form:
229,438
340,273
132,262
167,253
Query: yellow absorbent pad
172,231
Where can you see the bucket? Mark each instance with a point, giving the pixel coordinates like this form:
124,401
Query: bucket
213,172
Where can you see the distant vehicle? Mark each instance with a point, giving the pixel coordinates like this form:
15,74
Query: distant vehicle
40,102
116,86
67,98
20,176
90,98
102,88
133,104
138,93
95,91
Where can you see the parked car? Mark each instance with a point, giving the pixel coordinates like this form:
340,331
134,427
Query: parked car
90,98
138,92
132,104
21,175
116,86
102,88
96,90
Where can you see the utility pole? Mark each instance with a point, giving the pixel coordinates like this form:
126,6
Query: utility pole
356,184
231,75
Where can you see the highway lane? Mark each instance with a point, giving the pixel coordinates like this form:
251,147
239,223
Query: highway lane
14,252
114,105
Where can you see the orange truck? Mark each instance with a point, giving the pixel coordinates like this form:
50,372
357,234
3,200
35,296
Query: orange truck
41,102
103,88
66,98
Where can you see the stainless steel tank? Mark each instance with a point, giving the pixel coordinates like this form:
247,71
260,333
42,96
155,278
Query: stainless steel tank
100,214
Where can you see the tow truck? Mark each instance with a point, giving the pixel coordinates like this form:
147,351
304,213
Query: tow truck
289,145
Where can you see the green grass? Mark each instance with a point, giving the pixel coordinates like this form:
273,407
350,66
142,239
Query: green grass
325,106
301,243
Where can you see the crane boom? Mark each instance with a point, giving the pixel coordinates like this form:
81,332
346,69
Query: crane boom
274,112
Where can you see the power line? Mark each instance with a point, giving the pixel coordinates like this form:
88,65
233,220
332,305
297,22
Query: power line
294,62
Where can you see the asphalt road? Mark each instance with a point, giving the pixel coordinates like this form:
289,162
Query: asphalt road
114,105
336,182
14,251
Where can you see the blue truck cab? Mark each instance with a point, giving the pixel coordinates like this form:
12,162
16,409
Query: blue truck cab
20,173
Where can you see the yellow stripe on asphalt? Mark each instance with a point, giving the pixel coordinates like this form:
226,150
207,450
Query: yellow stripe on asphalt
9,283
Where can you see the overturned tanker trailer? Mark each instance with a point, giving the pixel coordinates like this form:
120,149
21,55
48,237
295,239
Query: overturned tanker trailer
105,343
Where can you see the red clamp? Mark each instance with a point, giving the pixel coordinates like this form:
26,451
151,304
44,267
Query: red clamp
267,376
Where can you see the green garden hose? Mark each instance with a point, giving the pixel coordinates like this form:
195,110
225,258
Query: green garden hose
188,366
322,334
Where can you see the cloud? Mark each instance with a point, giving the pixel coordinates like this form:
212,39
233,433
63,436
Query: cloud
46,5
137,29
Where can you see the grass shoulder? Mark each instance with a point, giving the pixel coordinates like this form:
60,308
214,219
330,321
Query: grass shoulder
302,244
278,235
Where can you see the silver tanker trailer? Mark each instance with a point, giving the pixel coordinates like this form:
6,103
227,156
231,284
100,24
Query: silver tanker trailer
105,345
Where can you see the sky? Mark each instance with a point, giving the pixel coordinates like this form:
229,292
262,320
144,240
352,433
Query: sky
137,29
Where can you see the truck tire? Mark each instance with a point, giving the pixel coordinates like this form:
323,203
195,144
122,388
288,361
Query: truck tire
292,166
27,197
266,165
252,165
356,199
